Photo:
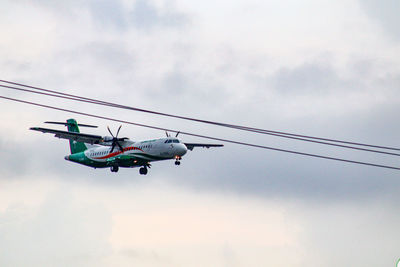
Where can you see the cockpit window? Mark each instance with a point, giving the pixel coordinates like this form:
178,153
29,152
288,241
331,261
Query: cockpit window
171,141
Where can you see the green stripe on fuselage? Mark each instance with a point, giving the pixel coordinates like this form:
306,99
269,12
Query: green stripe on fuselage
82,159
122,160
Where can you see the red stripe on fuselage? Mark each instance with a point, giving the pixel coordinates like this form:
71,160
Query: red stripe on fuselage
119,152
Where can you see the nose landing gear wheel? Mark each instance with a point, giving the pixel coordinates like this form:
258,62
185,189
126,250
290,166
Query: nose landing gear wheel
178,160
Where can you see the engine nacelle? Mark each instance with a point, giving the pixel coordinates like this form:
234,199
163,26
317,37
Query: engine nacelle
108,138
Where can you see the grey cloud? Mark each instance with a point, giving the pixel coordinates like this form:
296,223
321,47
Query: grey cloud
275,174
115,15
386,14
142,14
264,173
188,91
108,13
176,83
306,79
93,64
146,15
194,87
192,90
11,165
32,158
279,175
62,8
113,56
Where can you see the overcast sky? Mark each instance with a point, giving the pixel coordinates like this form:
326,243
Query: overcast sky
315,67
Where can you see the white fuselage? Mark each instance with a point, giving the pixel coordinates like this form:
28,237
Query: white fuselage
148,150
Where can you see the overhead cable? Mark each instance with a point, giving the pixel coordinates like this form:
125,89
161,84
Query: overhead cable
202,136
305,138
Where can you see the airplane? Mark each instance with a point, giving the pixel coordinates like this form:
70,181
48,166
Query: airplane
113,152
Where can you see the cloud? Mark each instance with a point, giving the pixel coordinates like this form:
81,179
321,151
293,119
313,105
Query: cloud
9,167
319,70
306,79
279,174
370,231
145,15
59,232
156,224
116,15
385,13
108,13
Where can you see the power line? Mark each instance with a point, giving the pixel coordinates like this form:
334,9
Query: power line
305,138
278,135
202,136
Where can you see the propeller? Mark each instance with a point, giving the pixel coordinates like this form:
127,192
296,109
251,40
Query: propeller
115,140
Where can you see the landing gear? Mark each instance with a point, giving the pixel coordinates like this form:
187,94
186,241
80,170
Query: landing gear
114,168
178,160
143,170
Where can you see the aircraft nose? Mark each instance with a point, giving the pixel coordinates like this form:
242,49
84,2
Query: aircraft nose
181,150
66,157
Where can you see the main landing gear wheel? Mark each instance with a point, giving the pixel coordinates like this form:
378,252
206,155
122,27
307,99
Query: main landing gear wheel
177,163
143,170
114,168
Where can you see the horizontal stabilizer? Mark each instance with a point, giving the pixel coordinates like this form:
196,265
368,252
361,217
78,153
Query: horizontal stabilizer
66,124
78,137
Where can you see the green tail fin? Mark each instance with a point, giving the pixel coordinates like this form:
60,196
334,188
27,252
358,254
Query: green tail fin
75,146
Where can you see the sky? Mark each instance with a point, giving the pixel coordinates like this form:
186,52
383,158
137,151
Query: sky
321,68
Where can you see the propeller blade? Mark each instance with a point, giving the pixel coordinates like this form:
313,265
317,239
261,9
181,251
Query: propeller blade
110,131
118,131
112,148
119,145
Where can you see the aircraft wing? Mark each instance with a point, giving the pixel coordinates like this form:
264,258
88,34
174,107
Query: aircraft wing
190,146
79,137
